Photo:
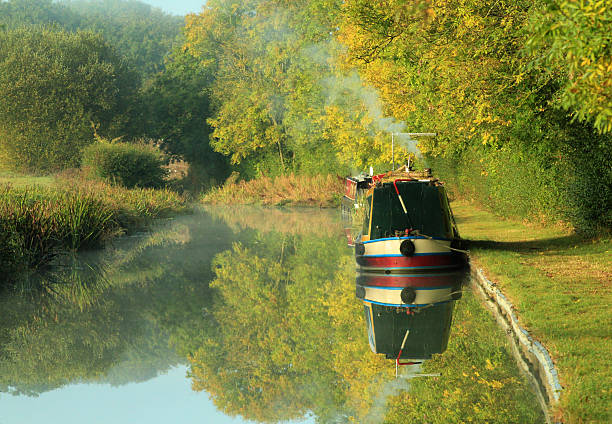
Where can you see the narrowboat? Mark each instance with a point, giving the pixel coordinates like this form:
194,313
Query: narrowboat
355,188
408,226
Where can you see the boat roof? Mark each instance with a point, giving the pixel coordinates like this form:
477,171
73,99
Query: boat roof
405,174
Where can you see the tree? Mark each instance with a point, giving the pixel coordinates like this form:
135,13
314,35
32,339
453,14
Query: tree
177,104
144,34
276,88
494,79
56,89
141,33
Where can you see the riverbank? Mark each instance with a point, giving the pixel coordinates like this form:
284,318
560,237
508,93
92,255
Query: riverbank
39,222
286,190
559,284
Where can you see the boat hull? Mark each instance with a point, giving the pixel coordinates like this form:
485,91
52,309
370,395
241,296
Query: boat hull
385,255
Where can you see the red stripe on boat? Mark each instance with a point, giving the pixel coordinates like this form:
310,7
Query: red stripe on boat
410,262
412,281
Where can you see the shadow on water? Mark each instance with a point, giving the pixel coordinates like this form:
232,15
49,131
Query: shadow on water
260,306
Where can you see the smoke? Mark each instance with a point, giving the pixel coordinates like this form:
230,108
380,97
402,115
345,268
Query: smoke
409,144
341,89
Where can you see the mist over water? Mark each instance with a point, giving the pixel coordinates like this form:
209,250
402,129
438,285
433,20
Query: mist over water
227,315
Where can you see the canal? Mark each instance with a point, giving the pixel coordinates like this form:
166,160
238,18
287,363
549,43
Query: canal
234,315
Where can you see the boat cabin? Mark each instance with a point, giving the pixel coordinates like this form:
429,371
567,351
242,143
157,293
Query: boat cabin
408,206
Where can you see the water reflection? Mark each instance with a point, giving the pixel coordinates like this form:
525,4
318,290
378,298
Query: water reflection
408,316
258,306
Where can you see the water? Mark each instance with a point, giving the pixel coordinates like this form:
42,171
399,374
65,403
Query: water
231,316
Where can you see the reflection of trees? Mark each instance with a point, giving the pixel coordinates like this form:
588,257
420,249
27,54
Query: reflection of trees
480,381
270,327
278,330
297,221
118,319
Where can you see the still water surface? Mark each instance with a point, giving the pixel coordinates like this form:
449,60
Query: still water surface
231,316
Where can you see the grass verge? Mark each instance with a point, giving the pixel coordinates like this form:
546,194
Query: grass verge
560,285
286,190
21,180
39,222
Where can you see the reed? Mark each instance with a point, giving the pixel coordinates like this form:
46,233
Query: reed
284,190
39,222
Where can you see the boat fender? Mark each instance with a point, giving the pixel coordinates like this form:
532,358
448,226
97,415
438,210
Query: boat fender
359,249
360,292
407,248
408,295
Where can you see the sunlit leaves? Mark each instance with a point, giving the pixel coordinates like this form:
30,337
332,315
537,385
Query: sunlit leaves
572,42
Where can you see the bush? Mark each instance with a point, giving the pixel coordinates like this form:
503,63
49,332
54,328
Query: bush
283,190
130,165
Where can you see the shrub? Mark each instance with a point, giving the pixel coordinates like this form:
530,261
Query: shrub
130,165
38,223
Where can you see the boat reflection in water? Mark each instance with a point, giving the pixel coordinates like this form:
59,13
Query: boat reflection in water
408,316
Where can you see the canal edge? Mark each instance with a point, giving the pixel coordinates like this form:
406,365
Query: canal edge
532,357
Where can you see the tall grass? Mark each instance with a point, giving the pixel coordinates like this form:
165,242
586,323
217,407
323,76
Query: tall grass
38,223
294,190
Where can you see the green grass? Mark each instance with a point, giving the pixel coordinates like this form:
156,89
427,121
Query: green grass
20,180
560,285
287,190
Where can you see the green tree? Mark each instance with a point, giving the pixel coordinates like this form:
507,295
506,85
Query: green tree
177,106
15,13
54,86
274,82
144,34
491,78
141,33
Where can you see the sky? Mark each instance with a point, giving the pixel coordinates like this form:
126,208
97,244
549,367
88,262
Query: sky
167,398
177,7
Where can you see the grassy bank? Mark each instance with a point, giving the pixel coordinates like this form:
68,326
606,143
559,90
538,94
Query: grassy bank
560,285
287,190
41,221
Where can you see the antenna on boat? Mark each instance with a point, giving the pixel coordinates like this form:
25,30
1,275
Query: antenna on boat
409,135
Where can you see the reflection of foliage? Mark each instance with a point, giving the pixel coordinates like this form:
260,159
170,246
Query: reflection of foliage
288,338
119,320
287,221
479,378
277,335
269,358
361,370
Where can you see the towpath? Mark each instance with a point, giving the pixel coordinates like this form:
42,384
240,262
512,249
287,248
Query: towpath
561,287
